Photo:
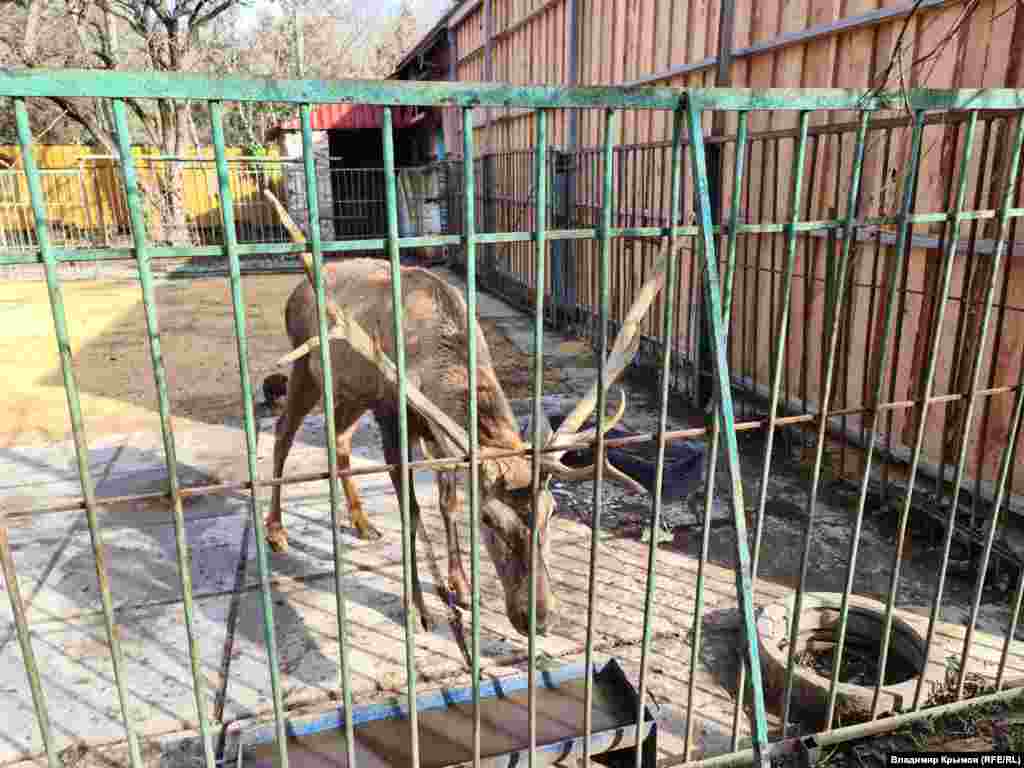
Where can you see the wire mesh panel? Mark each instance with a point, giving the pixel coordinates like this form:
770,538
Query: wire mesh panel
459,416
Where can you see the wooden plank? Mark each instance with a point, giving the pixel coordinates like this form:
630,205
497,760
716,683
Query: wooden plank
633,42
696,30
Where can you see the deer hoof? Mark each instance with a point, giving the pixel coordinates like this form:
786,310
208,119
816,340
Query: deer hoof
426,621
369,532
363,526
277,537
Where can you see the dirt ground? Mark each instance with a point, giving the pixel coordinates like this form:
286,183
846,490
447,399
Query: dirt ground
112,360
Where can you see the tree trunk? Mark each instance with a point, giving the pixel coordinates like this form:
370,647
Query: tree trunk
166,195
172,199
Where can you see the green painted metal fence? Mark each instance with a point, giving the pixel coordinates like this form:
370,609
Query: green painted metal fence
687,108
754,209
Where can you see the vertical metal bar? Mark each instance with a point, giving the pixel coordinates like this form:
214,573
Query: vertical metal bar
1005,465
748,300
469,234
901,247
887,430
810,249
658,203
778,352
828,250
755,348
619,287
773,271
691,297
164,406
540,180
959,345
666,369
28,658
842,270
724,403
734,215
780,338
873,294
81,448
238,305
1001,327
391,201
38,202
922,414
330,428
698,604
727,296
1019,594
604,242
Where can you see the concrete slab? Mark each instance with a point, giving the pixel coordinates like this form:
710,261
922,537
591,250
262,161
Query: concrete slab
78,682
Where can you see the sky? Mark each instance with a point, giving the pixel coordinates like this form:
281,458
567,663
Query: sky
431,9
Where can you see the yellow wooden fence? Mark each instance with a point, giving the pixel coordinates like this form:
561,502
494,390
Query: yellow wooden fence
85,195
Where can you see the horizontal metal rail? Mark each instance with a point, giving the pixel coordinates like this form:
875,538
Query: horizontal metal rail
463,462
82,255
847,733
70,83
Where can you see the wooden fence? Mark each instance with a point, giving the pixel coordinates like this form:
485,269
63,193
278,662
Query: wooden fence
776,43
85,196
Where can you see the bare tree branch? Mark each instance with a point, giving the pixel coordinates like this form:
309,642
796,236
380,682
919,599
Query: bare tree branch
206,18
883,79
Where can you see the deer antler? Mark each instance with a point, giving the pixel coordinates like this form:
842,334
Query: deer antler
623,350
553,461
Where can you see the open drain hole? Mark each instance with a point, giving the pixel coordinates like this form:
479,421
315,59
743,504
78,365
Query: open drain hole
862,649
815,654
860,659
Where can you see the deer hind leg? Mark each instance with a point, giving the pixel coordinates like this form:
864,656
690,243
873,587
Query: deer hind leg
303,394
448,502
388,423
346,418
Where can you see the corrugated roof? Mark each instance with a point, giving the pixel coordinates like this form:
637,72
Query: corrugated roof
350,117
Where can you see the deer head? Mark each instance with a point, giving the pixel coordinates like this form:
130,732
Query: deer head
509,507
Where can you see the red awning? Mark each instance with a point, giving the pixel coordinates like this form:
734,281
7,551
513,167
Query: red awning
350,117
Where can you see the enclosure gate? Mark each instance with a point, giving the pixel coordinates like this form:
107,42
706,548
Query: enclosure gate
687,108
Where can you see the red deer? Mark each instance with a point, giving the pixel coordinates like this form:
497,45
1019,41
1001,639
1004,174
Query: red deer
359,303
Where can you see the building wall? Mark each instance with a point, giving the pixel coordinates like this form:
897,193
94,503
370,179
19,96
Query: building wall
295,183
780,43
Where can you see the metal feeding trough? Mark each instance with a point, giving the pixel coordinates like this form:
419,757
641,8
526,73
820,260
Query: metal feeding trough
446,726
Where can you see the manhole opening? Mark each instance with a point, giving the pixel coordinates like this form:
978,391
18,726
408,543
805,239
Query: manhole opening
862,649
